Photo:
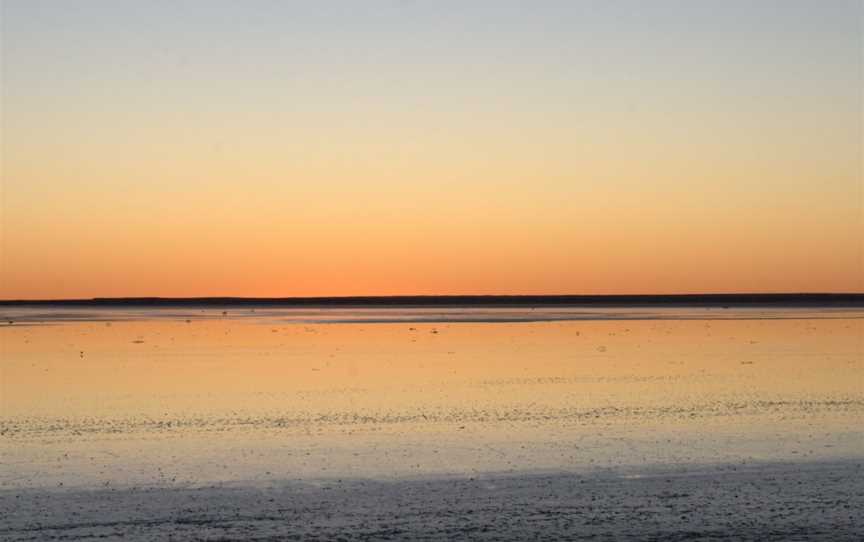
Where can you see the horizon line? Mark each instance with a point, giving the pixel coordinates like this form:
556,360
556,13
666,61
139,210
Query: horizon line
462,299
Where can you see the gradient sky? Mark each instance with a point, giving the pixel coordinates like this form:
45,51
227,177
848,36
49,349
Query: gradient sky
277,148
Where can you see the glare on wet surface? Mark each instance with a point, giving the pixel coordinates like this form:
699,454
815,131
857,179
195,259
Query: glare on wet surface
178,398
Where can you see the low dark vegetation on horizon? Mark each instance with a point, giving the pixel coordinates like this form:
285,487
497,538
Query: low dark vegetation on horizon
800,299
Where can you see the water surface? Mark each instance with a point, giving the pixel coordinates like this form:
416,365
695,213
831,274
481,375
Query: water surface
185,397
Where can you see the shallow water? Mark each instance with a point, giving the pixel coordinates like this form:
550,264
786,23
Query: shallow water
184,397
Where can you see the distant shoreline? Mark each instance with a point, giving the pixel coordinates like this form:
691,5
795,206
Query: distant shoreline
719,300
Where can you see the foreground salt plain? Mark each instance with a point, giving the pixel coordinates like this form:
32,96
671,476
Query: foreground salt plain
330,411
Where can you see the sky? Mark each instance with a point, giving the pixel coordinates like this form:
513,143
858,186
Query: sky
287,148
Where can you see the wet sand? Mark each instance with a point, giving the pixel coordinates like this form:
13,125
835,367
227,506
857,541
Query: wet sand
792,501
418,423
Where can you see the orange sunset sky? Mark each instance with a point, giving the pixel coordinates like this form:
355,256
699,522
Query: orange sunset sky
375,148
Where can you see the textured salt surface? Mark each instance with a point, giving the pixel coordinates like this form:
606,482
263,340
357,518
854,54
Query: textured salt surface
791,501
684,426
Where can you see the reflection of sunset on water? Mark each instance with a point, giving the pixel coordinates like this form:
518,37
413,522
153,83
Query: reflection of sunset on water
259,379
